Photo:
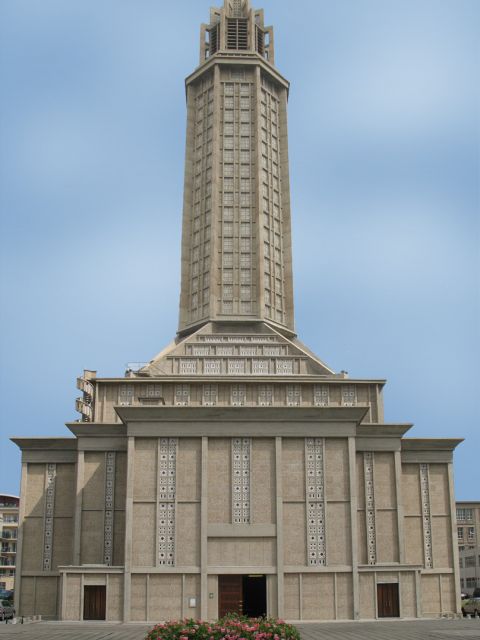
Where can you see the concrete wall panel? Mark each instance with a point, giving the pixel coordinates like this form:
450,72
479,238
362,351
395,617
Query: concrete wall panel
189,469
387,536
165,597
263,481
241,552
337,477
367,596
27,599
293,468
318,596
138,609
339,536
430,595
92,537
442,543
412,501
408,595
414,536
35,501
439,492
292,596
143,535
32,544
188,535
344,596
94,479
219,481
294,534
65,491
46,597
115,598
385,492
73,597
145,469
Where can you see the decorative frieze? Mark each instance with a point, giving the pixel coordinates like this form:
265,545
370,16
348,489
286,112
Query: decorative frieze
426,516
49,516
241,453
368,469
167,471
315,492
109,512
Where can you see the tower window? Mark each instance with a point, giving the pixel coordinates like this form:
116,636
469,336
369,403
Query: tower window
237,33
214,39
260,41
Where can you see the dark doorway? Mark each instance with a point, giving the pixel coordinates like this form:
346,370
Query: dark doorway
245,595
388,601
94,603
255,596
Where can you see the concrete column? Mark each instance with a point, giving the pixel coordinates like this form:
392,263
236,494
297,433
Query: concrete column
400,511
352,463
204,533
128,530
21,519
453,521
279,509
77,523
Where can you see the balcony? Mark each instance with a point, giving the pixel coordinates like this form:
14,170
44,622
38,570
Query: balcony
10,550
8,535
4,562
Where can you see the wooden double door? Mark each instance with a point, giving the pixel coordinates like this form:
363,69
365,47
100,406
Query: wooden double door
94,602
245,595
388,600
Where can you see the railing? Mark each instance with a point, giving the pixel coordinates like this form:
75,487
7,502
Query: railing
8,535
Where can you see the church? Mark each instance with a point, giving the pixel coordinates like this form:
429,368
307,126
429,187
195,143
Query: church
236,471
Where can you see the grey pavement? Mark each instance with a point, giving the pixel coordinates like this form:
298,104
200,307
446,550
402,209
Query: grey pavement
401,630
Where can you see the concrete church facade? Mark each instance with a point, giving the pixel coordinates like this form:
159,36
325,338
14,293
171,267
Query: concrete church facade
235,470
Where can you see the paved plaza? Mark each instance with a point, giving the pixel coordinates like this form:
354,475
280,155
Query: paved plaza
415,630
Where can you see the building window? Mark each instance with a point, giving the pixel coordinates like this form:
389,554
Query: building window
349,395
182,395
284,367
212,367
260,367
188,367
320,395
248,351
201,351
238,395
460,533
236,367
265,395
125,398
471,534
294,395
210,394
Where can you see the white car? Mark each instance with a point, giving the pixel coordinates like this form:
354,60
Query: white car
6,610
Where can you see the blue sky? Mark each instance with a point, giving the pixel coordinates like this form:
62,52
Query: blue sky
384,151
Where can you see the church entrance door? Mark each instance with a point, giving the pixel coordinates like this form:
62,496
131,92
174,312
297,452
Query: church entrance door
388,601
94,603
245,595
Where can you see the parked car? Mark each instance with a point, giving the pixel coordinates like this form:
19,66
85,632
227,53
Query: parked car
471,606
6,610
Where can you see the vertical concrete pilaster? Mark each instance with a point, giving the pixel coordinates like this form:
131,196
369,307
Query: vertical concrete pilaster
77,523
352,465
453,523
400,511
128,530
279,511
21,519
204,533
